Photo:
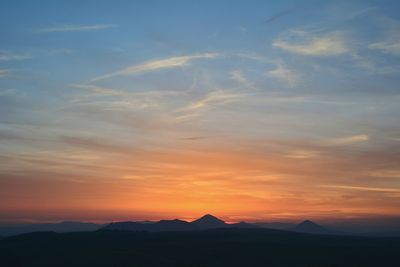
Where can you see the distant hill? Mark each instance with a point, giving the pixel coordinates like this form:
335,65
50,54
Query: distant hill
173,225
310,227
275,225
243,225
163,225
128,226
306,226
68,226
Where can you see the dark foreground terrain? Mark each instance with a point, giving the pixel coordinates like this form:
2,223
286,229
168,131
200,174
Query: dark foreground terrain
217,247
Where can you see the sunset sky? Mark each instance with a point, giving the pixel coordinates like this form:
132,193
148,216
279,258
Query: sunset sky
249,110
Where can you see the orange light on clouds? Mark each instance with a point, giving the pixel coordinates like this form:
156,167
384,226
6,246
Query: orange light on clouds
183,183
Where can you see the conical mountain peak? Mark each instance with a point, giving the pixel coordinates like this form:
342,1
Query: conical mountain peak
308,222
209,221
308,226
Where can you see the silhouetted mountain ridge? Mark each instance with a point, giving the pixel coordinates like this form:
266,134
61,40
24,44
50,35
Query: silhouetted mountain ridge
61,227
163,225
207,221
275,225
310,227
243,225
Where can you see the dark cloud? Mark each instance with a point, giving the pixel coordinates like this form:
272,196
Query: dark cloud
281,14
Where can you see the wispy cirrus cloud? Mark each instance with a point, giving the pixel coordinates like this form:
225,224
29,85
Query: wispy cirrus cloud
309,44
302,154
5,72
280,14
8,92
172,62
364,188
238,76
104,91
194,138
390,40
101,91
348,140
60,51
289,76
212,99
385,173
388,47
123,99
8,56
94,144
76,28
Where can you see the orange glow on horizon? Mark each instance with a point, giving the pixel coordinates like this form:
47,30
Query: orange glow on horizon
235,185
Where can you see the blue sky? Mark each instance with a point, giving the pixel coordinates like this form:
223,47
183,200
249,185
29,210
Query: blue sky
123,84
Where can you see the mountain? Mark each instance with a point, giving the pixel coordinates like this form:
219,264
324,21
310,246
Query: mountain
128,226
275,225
243,225
163,225
310,227
68,226
208,222
174,225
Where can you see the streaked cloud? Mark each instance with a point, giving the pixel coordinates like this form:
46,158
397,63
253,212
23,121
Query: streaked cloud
238,76
172,62
252,56
94,144
364,188
281,14
385,173
193,138
289,76
389,42
8,92
60,51
389,47
5,72
214,98
9,56
77,28
210,100
106,91
101,91
310,44
347,140
362,12
302,154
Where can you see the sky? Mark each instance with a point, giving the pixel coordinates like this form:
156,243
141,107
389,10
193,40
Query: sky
249,110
